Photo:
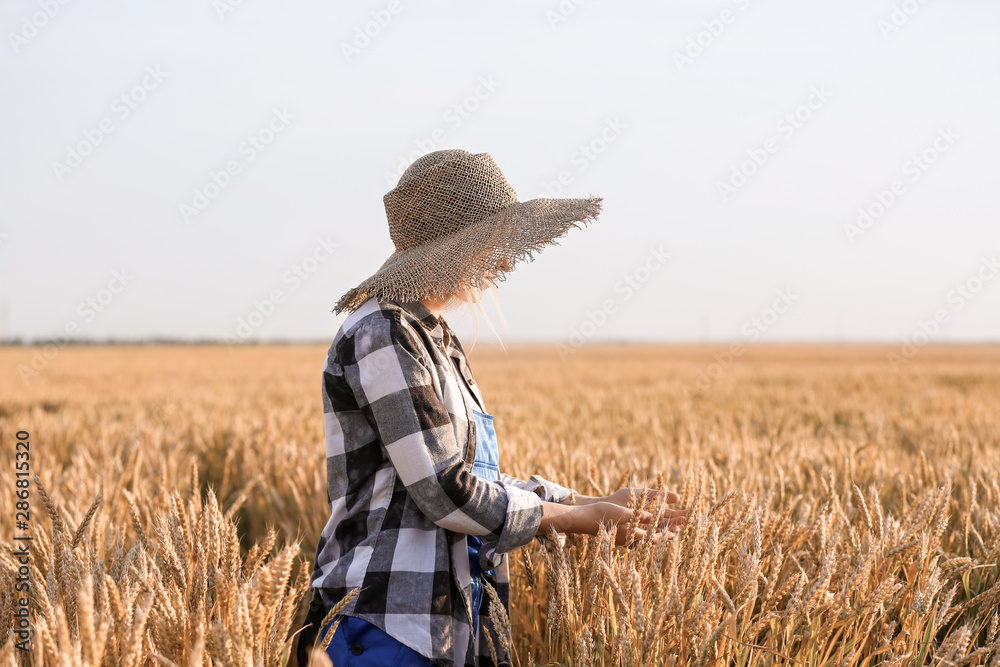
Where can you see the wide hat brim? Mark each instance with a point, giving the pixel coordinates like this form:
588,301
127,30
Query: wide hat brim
446,265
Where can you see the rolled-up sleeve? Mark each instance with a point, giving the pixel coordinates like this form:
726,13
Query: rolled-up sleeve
548,491
392,376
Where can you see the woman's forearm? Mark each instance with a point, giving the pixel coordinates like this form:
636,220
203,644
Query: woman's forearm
556,515
583,519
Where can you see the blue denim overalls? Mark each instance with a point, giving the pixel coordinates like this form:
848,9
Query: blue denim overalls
487,466
357,642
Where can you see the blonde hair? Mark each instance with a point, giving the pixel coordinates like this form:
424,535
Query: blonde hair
474,300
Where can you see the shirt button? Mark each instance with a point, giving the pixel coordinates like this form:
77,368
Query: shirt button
357,648
472,381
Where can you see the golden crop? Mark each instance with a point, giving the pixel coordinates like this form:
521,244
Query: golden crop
841,513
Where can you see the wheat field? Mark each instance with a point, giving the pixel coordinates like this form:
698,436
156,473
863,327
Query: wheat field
842,512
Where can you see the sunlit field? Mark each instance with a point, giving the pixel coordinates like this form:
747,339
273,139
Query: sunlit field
843,512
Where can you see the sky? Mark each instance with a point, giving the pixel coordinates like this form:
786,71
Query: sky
771,170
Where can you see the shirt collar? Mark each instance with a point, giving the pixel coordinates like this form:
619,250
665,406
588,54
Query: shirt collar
435,325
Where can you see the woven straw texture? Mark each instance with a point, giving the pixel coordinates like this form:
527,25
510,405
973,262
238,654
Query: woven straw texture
454,219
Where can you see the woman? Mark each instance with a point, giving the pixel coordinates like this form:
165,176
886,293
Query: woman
421,518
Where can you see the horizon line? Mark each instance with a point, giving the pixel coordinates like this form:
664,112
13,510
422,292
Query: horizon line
112,342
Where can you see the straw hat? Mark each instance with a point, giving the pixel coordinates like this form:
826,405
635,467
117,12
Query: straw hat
454,219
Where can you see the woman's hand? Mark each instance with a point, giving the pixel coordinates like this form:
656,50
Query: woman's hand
671,518
621,497
586,519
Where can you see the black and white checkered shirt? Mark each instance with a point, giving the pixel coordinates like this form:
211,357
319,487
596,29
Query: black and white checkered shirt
400,444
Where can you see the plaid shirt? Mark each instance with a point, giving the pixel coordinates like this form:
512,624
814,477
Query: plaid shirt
400,444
